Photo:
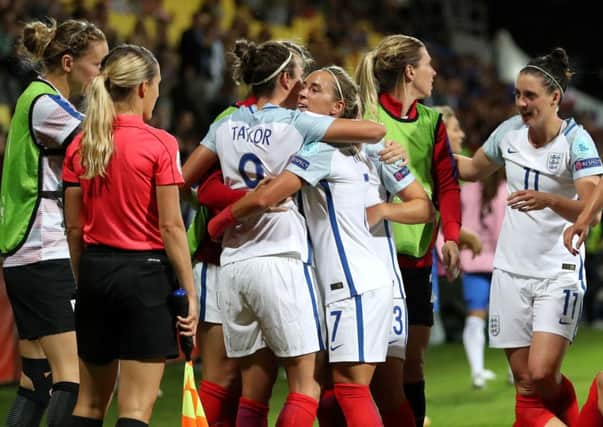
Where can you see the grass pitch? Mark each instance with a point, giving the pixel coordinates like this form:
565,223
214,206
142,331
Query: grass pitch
451,402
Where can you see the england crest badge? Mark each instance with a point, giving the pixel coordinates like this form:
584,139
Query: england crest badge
553,162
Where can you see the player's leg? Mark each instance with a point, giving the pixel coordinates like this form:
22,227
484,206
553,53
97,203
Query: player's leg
41,295
301,405
97,382
34,387
591,414
387,385
220,387
557,305
417,285
476,290
358,331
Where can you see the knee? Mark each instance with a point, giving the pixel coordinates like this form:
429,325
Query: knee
542,375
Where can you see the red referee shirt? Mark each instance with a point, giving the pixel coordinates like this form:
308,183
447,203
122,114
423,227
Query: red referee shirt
121,209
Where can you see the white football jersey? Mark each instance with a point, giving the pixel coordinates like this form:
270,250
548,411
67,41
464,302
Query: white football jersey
334,202
531,243
386,180
54,121
252,144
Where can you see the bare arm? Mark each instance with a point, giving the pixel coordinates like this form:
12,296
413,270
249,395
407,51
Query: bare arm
176,247
352,130
590,214
197,165
475,168
74,224
255,202
569,209
416,209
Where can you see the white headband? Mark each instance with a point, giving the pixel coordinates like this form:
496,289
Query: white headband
546,74
339,91
274,73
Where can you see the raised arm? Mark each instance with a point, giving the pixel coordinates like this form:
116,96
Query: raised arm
255,202
352,130
197,165
475,168
172,231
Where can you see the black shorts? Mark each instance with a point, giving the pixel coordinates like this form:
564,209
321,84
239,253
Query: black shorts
122,309
41,296
417,285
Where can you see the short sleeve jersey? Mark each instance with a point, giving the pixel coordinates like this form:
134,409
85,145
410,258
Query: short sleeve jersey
53,121
120,210
386,180
531,243
252,144
335,206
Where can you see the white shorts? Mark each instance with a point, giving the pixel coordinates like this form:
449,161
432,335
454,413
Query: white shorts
398,335
358,327
206,281
520,306
270,302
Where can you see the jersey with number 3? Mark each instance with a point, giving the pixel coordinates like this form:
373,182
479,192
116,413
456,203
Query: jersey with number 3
335,206
531,243
253,144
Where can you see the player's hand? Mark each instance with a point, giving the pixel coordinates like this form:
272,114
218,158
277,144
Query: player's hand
375,214
470,240
187,326
578,229
393,152
451,260
528,200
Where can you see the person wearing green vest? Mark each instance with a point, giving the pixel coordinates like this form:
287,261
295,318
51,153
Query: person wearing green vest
37,271
392,78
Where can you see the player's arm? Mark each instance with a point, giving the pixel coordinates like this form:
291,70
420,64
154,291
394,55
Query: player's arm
415,209
352,130
255,202
569,209
74,225
590,214
173,235
214,194
475,168
197,165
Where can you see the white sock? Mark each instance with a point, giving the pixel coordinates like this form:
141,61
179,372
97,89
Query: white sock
474,340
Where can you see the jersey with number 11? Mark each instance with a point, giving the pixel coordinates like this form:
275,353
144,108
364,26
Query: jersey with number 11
531,243
253,144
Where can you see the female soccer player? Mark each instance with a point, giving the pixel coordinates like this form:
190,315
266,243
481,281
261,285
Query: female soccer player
220,387
392,78
537,286
265,259
356,283
126,239
38,276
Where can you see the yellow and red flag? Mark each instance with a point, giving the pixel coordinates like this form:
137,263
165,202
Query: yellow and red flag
193,414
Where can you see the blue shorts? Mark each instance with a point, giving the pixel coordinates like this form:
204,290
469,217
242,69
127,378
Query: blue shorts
476,290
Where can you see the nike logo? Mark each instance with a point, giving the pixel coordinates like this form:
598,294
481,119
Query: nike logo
510,151
392,342
333,348
563,322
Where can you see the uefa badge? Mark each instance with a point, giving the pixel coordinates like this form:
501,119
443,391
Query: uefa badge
553,162
494,325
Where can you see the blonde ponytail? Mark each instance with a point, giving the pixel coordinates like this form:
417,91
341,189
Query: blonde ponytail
97,141
369,87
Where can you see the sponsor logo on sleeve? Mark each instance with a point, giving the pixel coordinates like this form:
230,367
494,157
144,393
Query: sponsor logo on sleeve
400,174
300,163
583,148
592,162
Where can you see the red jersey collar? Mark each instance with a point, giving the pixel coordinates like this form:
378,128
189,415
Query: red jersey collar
394,107
247,102
128,119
